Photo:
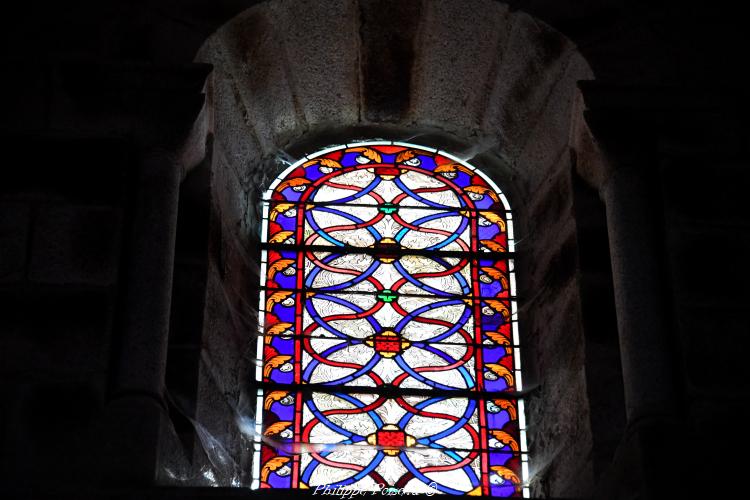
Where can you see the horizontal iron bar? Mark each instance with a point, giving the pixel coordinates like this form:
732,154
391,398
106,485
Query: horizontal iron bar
349,250
513,317
416,449
356,341
392,392
374,293
315,204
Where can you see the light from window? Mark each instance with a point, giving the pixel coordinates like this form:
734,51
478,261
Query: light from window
388,354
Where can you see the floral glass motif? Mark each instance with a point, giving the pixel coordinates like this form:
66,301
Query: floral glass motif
388,353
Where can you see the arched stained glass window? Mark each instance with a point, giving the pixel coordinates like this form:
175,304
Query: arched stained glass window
389,347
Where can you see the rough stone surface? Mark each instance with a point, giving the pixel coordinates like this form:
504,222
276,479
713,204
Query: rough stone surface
563,444
322,60
565,471
547,207
452,62
236,143
547,140
432,69
220,383
231,200
387,56
534,59
553,336
254,49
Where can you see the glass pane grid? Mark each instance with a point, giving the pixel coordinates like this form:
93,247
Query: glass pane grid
389,293
386,224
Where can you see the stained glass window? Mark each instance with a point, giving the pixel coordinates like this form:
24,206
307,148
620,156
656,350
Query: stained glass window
388,349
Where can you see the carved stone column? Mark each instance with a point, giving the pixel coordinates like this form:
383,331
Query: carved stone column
626,125
633,218
170,128
136,404
626,130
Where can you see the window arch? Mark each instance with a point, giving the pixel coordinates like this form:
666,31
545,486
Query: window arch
389,348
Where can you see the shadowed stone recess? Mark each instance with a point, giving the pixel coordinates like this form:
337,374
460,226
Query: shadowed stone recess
499,86
388,30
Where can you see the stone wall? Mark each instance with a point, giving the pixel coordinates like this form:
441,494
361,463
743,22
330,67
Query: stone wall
502,94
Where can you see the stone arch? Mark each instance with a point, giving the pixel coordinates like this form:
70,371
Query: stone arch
474,70
496,86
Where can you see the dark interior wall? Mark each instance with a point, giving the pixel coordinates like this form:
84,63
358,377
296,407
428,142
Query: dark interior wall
60,250
90,86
